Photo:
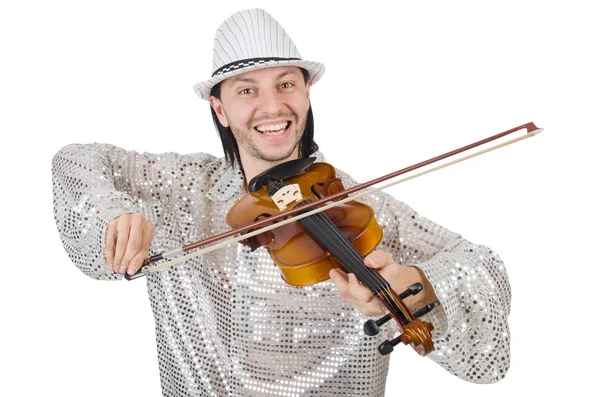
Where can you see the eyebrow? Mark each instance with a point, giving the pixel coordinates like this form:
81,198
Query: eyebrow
251,80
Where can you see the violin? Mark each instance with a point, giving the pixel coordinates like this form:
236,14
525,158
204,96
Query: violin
302,214
340,237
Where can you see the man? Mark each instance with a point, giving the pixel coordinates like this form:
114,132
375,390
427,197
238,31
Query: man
226,322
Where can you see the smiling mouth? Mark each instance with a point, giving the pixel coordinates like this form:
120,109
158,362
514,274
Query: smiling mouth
273,129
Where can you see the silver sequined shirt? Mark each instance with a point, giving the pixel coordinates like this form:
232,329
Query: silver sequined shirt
227,324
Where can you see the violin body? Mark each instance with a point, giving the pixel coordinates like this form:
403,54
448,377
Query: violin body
300,258
308,248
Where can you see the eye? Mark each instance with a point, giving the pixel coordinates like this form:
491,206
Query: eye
246,91
286,85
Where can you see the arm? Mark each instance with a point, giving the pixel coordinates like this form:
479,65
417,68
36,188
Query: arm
95,183
471,335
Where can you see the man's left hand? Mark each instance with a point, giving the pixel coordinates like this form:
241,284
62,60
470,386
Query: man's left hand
399,278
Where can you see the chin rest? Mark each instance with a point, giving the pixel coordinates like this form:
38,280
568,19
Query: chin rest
279,173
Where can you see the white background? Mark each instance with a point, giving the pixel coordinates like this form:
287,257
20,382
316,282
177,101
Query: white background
405,81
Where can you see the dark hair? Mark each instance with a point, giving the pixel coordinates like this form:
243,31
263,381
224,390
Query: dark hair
306,147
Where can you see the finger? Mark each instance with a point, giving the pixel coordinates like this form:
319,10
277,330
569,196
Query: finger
134,243
338,276
378,259
364,300
348,286
136,263
138,260
109,243
122,239
359,291
340,280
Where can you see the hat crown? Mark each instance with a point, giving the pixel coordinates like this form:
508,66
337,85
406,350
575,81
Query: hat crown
251,40
251,34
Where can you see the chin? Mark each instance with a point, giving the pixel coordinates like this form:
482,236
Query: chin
279,155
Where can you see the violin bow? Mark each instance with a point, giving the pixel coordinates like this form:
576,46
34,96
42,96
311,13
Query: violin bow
174,257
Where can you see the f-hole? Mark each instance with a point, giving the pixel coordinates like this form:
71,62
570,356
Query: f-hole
312,189
263,216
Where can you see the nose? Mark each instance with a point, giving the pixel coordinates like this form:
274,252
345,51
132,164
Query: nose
270,102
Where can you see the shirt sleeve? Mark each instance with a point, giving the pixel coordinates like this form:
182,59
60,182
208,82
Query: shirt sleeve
95,183
471,335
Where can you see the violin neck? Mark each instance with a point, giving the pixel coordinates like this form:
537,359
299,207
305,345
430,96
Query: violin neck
325,232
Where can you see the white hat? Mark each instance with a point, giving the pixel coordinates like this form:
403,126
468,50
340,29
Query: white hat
251,40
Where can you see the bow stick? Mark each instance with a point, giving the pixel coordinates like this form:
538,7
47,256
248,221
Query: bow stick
327,203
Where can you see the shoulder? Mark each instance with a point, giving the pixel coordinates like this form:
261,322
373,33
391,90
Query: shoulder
201,161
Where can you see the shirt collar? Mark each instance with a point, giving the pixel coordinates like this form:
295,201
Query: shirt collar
232,181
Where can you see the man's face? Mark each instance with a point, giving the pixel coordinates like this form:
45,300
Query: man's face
266,110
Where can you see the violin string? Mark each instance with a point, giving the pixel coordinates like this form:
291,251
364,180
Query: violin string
341,243
172,262
385,288
378,280
362,272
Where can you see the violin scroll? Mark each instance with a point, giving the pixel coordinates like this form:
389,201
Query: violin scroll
417,333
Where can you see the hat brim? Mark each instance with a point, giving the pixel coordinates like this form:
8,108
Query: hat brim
315,70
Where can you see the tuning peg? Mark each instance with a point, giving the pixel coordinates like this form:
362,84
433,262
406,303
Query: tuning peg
388,346
412,289
371,327
426,309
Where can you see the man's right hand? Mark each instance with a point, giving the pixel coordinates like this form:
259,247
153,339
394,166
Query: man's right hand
128,239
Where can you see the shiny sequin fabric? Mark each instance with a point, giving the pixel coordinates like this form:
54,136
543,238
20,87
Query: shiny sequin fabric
227,324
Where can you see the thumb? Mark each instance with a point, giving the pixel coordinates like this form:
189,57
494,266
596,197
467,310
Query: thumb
378,259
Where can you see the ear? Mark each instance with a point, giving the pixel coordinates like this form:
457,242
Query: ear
217,106
308,85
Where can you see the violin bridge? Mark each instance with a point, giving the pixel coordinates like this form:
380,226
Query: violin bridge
287,195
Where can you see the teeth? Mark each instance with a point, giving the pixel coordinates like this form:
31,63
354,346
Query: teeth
272,127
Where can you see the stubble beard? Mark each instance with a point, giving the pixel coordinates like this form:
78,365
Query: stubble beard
243,136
